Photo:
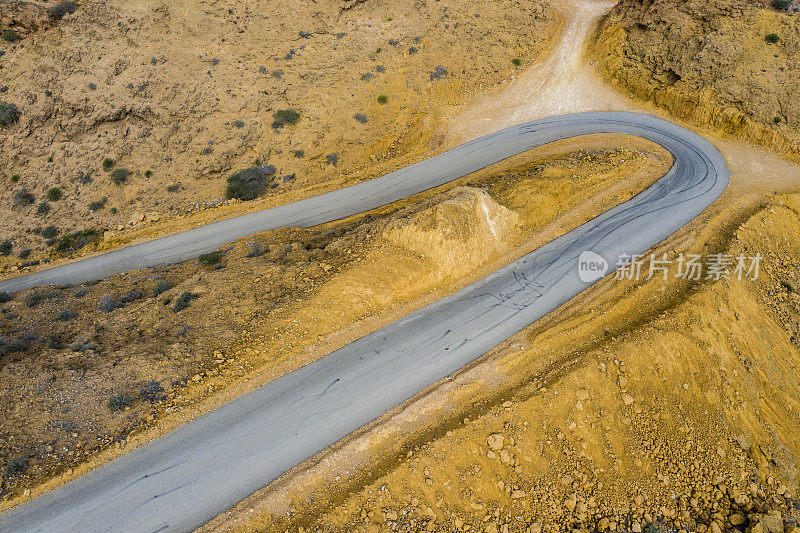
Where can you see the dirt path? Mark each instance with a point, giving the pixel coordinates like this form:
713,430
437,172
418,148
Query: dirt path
563,83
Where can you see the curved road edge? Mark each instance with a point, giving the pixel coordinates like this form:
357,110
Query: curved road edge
204,467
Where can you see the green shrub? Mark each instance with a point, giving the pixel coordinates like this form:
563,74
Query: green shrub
250,183
8,114
23,197
120,175
34,299
161,287
788,286
99,204
108,164
783,5
54,194
413,50
299,154
12,347
15,178
5,247
182,301
517,61
210,258
118,402
49,232
132,296
71,243
382,99
108,303
55,343
5,297
148,174
62,8
66,315
283,117
17,466
361,117
438,73
152,391
173,188
255,249
772,38
43,208
9,36
777,120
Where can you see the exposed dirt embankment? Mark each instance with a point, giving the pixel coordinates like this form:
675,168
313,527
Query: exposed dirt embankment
106,366
665,406
733,65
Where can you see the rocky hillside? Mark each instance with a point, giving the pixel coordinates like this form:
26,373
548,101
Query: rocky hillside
103,367
135,113
659,407
730,64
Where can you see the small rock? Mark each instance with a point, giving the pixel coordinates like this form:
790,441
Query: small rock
495,441
628,399
570,504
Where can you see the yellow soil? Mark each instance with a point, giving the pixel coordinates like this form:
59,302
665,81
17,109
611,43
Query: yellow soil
742,99
660,401
254,331
188,89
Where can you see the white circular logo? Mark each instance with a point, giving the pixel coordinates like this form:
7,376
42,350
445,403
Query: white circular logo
591,267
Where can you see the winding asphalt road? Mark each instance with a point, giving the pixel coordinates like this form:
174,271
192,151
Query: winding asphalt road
202,468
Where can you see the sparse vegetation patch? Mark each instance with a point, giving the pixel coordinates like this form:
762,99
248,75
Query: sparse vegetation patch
210,258
119,402
282,117
250,183
23,197
71,243
8,114
62,8
120,175
182,301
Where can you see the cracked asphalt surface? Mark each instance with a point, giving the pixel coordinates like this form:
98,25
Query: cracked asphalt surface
206,466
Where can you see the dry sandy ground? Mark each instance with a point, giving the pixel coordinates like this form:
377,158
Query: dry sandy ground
564,82
307,293
356,499
561,83
182,94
